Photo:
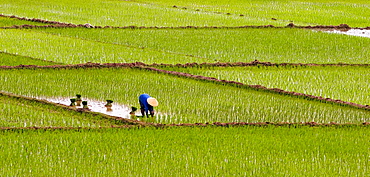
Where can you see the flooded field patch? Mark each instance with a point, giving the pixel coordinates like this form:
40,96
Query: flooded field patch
352,32
117,110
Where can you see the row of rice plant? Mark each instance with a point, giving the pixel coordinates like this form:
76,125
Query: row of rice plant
71,50
15,112
7,59
172,45
202,13
181,99
187,151
336,82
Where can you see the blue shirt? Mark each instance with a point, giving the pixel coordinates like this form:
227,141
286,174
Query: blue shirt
143,102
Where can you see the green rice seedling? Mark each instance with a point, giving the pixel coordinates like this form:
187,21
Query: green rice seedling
7,22
172,45
219,45
123,13
202,13
18,112
336,82
323,12
183,100
7,59
71,50
206,151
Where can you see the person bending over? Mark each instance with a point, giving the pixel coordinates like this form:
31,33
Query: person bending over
146,104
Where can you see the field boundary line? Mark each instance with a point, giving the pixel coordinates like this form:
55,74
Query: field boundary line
215,124
141,64
55,24
80,110
84,65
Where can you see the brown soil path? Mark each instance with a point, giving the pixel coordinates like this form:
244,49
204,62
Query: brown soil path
55,24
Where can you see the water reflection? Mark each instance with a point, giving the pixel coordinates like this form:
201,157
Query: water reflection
352,32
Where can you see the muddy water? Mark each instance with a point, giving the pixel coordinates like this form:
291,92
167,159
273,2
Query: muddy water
352,32
117,109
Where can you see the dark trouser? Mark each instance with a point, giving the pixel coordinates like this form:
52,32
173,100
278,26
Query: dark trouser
142,109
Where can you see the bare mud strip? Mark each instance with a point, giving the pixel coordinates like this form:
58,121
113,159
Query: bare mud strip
118,110
352,32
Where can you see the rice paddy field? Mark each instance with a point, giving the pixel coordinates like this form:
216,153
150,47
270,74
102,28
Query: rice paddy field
194,13
187,151
6,21
15,60
72,46
184,100
337,82
245,88
18,112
